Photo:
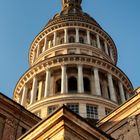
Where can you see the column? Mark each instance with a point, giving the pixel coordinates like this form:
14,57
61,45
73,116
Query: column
92,84
63,79
24,95
106,48
82,110
65,35
97,82
101,112
54,39
34,56
111,88
34,90
77,35
40,90
121,89
44,112
80,79
88,37
47,83
98,41
38,50
45,44
111,54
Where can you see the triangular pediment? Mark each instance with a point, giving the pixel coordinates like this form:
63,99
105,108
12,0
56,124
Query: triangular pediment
64,124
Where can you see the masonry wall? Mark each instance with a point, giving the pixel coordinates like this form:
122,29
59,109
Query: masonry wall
15,120
128,129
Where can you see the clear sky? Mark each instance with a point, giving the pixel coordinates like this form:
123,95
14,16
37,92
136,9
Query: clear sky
22,20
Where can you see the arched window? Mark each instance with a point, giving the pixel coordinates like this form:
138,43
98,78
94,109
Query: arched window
61,40
72,84
81,40
86,84
71,39
58,86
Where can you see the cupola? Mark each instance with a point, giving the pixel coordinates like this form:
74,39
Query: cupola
66,4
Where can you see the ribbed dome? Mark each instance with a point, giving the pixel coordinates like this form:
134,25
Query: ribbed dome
72,11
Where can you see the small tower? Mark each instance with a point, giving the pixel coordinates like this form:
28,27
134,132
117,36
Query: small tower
73,62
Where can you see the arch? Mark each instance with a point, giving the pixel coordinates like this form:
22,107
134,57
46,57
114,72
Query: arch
58,86
62,41
81,40
71,39
72,84
87,87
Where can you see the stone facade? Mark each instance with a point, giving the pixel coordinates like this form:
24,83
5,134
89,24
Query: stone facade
64,124
15,120
73,62
124,122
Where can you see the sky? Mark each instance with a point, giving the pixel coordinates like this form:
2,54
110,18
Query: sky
22,20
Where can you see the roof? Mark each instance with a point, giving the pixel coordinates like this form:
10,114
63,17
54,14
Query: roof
67,119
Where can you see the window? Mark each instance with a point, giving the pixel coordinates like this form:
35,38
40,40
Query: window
74,107
71,39
107,111
86,84
81,40
2,120
51,109
93,43
58,86
61,40
92,112
72,84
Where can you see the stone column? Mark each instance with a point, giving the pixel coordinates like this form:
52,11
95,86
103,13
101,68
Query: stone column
88,37
101,112
24,95
65,35
98,41
106,48
97,82
54,39
44,112
40,90
121,89
34,56
111,54
47,83
92,84
111,88
38,50
63,79
45,44
82,110
34,90
80,79
77,35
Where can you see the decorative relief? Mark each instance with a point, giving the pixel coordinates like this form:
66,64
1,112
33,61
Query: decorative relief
131,121
11,122
121,137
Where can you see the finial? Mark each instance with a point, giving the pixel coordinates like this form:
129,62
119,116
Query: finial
71,3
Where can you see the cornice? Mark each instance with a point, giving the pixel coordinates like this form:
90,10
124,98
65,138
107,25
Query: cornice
122,112
78,98
71,24
97,52
73,60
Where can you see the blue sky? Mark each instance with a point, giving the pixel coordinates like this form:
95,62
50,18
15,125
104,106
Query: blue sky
22,20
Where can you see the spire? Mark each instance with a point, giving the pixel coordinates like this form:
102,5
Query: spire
71,4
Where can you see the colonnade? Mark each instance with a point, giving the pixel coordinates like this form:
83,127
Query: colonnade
95,85
47,43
